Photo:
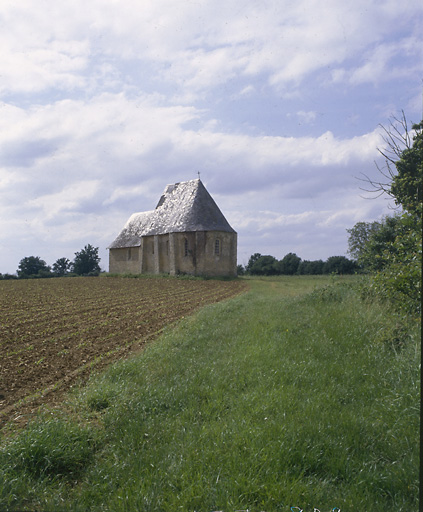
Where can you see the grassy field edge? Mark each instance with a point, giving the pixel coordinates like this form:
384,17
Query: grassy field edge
277,398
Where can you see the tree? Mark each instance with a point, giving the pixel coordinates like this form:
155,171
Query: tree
360,235
61,266
406,186
240,270
310,267
395,251
6,277
400,278
264,266
375,253
253,258
32,266
86,261
339,265
402,174
289,264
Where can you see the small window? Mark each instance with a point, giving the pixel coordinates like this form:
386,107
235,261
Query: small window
152,247
217,247
186,247
129,254
167,247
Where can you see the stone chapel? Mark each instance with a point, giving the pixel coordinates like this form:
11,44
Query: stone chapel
185,234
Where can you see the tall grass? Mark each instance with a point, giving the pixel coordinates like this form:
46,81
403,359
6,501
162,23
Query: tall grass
274,399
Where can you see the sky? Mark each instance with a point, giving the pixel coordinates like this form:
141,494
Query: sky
277,104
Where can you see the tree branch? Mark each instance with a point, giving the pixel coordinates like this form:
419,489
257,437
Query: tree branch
397,138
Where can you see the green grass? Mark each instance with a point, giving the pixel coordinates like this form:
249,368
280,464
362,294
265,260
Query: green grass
281,397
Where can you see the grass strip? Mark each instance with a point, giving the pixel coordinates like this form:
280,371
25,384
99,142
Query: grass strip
274,399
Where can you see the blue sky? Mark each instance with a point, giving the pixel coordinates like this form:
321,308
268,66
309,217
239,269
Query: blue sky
276,103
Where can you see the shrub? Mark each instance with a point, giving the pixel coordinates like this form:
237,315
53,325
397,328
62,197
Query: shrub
6,277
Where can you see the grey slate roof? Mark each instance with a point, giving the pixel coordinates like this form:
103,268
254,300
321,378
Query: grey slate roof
183,207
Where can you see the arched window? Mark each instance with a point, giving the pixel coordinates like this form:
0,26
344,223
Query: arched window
186,247
217,247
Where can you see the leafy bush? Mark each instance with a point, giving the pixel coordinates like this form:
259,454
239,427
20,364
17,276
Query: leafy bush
400,279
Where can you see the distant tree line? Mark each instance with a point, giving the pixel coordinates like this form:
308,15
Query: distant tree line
389,250
291,264
85,263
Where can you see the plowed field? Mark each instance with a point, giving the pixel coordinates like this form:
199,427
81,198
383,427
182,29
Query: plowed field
55,331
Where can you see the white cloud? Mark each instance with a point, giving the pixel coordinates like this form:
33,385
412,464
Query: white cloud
68,199
380,63
247,91
103,103
115,139
193,46
125,192
306,117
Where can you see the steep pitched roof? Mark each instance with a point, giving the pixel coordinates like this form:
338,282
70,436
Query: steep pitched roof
183,207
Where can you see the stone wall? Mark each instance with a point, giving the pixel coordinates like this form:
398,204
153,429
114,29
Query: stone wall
208,253
125,260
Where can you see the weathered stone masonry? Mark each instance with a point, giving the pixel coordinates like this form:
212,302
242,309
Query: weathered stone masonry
186,233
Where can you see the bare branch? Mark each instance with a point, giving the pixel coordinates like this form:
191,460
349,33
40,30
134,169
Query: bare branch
397,138
377,188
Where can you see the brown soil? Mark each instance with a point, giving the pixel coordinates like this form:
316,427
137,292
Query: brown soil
55,332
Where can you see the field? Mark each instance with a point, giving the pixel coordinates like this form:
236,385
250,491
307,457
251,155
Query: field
297,395
54,331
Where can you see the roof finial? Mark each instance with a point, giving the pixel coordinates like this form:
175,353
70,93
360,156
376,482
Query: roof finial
198,172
